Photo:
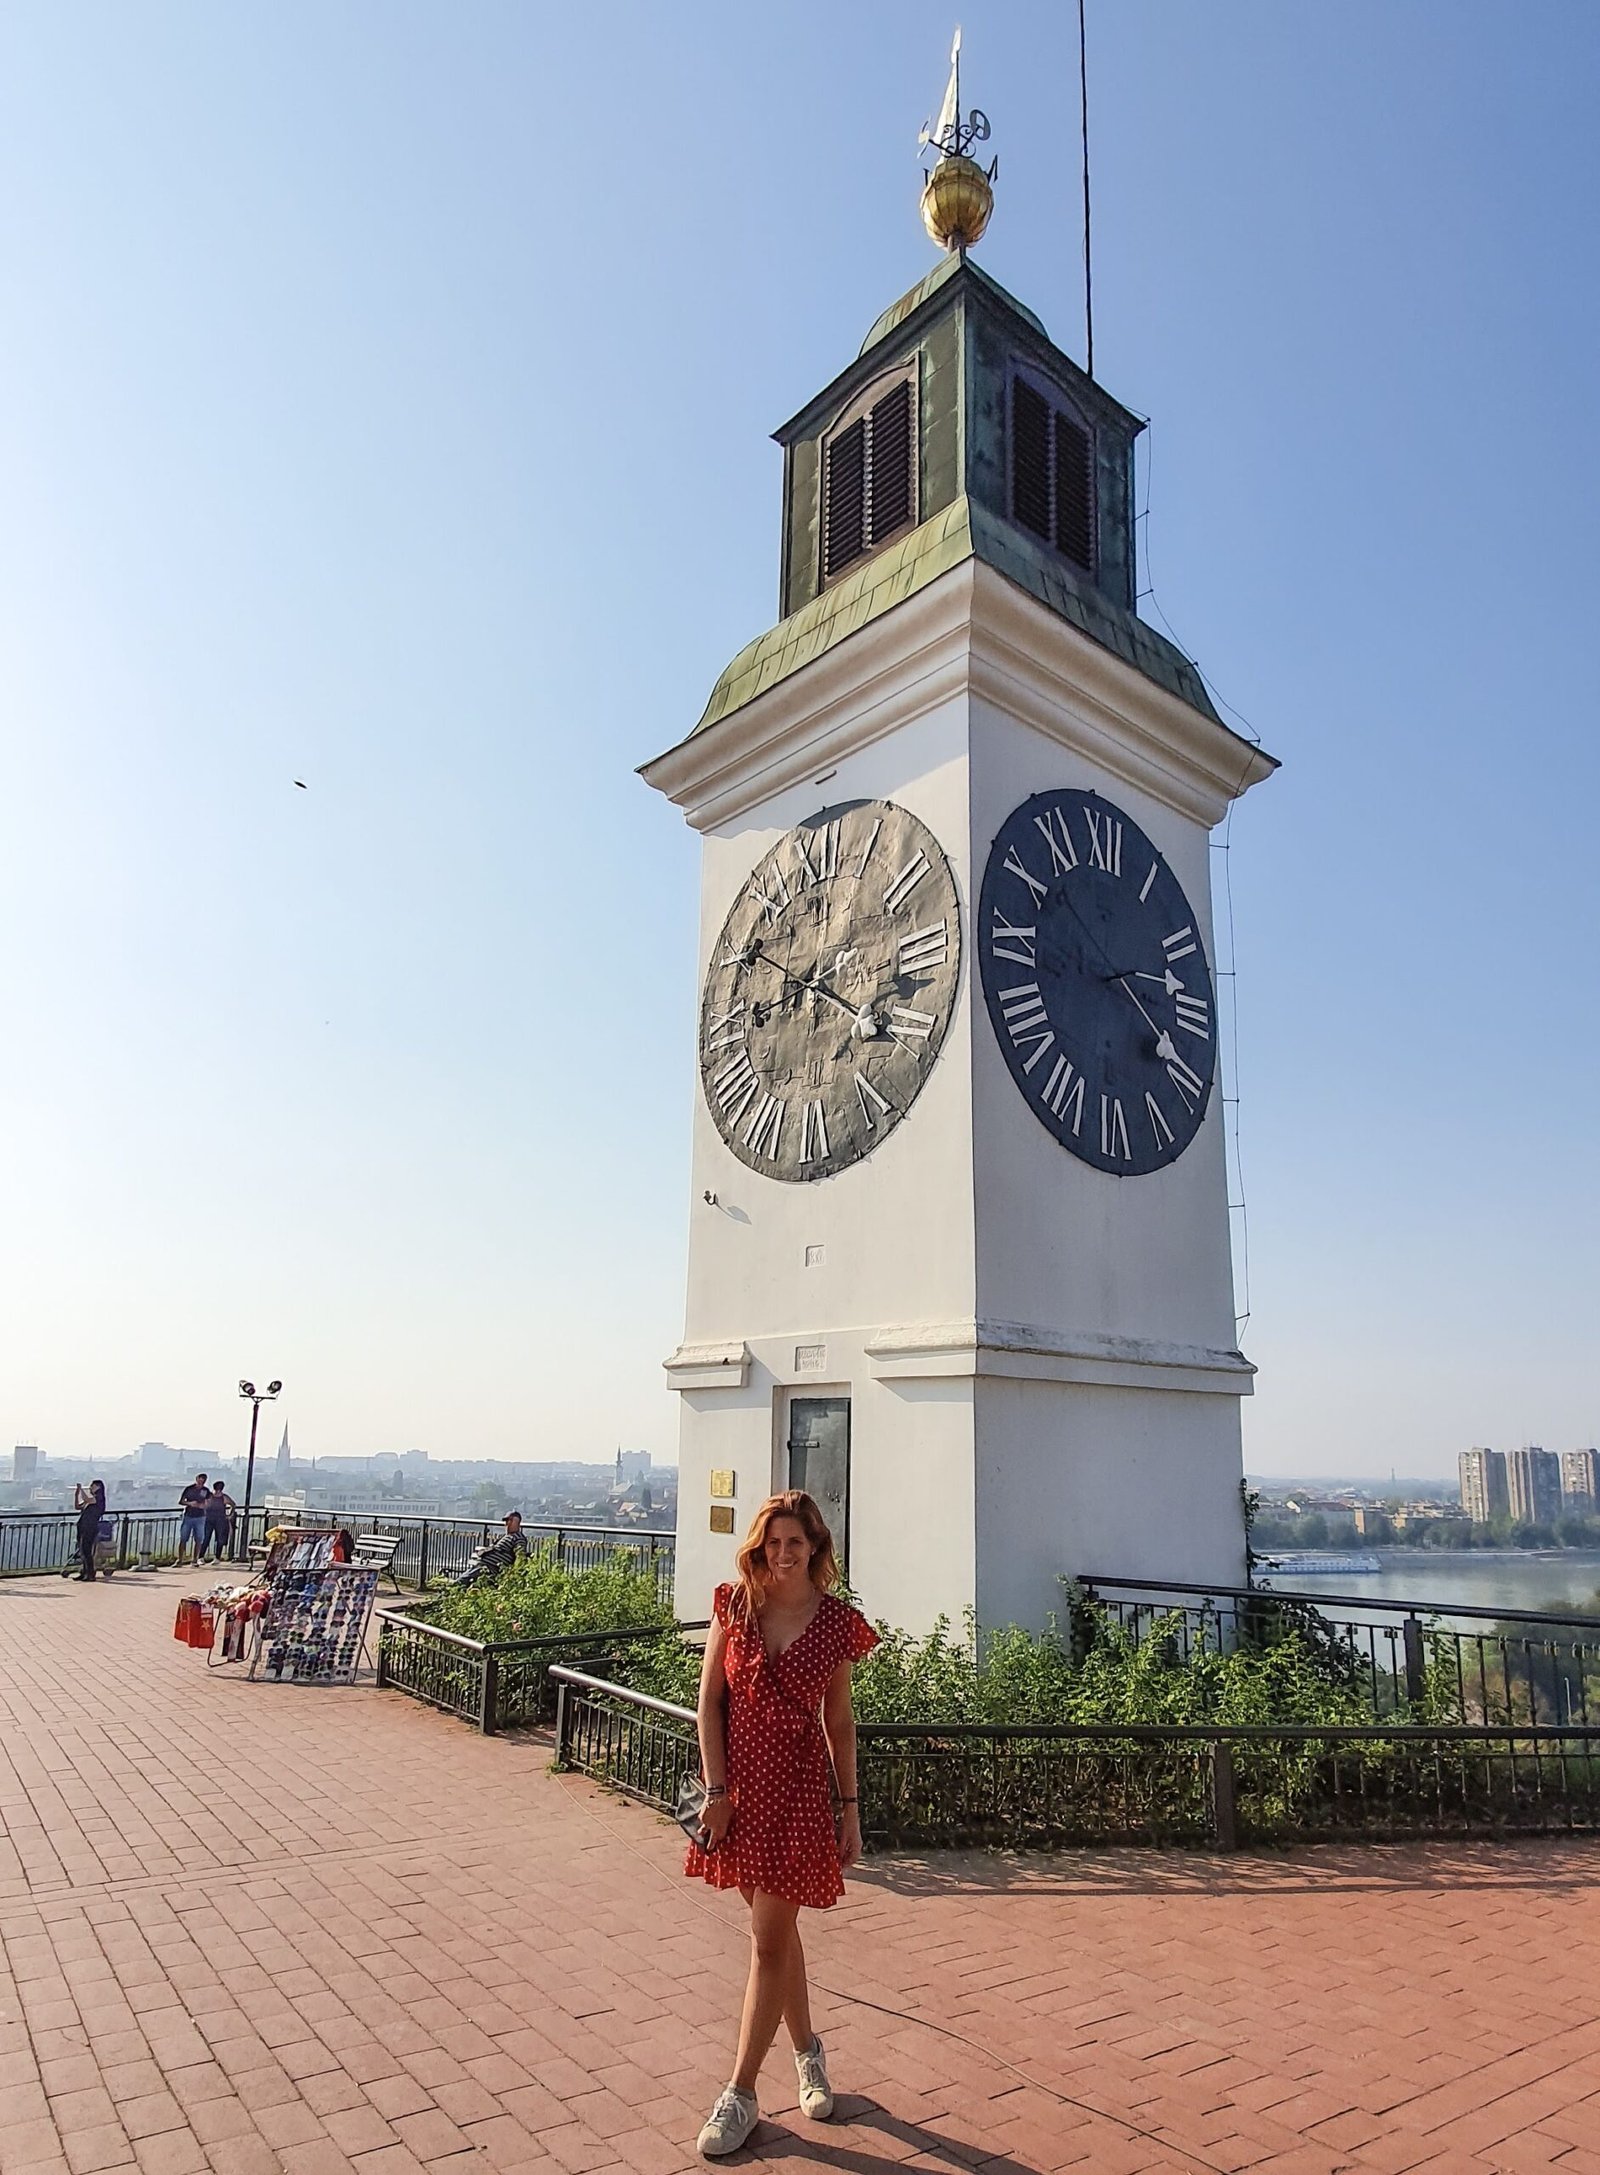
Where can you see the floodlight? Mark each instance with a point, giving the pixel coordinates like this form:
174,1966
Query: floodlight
247,1389
273,1388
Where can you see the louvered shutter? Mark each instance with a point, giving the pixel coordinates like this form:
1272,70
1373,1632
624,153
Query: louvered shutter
1074,491
890,498
1031,494
844,494
1052,475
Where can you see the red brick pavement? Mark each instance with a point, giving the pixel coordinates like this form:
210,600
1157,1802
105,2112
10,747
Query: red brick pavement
251,1928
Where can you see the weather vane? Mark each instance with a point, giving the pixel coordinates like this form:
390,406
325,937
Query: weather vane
957,196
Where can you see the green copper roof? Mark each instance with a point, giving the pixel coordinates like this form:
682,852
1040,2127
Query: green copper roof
962,531
946,269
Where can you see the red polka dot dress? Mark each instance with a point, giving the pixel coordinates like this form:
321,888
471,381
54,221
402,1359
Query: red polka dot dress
782,1839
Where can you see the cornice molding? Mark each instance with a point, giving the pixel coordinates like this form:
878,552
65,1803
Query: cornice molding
1031,664
969,632
891,672
1021,1351
709,1366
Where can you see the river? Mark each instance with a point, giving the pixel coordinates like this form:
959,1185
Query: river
1509,1579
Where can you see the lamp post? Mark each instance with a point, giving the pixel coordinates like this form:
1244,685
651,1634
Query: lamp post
258,1398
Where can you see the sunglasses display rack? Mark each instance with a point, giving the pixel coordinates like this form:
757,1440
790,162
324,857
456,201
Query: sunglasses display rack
314,1627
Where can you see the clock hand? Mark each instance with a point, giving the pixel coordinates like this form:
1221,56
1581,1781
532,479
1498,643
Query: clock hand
1160,1033
1169,980
863,1016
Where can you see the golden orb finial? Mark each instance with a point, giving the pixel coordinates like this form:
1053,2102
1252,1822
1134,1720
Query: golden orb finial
958,196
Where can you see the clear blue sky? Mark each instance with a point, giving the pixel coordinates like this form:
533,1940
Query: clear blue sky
387,391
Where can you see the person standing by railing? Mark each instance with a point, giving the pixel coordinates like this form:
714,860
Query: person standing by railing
192,1532
219,1511
774,1706
90,1505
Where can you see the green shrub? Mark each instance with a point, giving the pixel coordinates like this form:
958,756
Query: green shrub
539,1598
1095,1675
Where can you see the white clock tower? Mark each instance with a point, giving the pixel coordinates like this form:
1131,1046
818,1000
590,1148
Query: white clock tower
959,1244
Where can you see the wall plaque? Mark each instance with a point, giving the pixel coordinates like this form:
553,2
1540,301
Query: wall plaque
722,1517
722,1480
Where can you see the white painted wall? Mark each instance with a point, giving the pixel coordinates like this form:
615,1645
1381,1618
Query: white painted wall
1078,1477
1100,1430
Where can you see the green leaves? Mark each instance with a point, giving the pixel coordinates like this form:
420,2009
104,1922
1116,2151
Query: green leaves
539,1598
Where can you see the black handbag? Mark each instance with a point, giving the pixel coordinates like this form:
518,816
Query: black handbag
689,1811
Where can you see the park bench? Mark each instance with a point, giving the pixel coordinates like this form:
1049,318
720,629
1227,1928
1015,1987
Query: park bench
375,1551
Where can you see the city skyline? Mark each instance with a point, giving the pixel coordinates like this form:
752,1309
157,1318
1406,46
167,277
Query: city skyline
384,1081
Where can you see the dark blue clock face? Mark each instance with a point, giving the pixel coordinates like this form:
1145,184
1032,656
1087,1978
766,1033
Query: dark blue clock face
1097,983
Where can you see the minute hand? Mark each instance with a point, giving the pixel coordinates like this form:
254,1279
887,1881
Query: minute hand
1125,984
801,981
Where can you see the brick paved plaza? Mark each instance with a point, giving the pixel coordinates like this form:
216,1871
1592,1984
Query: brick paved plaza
256,1927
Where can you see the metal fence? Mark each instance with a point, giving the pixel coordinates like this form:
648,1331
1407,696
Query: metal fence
1491,1667
430,1548
1019,1788
495,1684
33,1541
443,1548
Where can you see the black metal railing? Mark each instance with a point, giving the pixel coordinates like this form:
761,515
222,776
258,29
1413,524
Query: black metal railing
495,1684
967,1786
432,1549
1427,1661
32,1541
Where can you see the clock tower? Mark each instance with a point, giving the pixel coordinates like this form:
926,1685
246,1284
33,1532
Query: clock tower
959,1244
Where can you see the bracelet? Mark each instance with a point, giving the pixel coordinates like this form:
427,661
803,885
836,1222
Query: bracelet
849,1801
715,1789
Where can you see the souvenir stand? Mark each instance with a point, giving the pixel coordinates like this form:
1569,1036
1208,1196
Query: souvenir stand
303,1617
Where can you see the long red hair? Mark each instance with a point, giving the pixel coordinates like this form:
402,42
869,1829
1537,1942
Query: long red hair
751,1560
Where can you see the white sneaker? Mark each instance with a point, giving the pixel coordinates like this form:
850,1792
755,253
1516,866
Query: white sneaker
729,2123
816,2093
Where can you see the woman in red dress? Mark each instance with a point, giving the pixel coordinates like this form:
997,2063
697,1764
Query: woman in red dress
774,1709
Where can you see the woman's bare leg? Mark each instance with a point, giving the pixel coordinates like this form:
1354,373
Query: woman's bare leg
797,2001
776,1988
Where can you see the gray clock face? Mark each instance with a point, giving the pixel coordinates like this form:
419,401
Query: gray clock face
829,990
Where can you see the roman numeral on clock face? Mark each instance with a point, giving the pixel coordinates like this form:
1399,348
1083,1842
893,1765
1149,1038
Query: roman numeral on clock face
1158,1122
925,949
1187,1082
817,853
1027,1020
1180,944
766,1123
773,902
1105,843
1052,827
1014,863
1063,1091
1114,1130
813,1133
897,893
908,1027
724,1029
734,1086
1006,942
867,1095
1194,1014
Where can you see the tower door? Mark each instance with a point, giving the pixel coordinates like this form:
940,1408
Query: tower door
819,1459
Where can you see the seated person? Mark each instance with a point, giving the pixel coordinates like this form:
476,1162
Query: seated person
497,1555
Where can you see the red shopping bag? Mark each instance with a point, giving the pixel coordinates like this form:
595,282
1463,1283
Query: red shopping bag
184,1627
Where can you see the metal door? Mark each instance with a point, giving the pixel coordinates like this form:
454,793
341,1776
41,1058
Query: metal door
819,1459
